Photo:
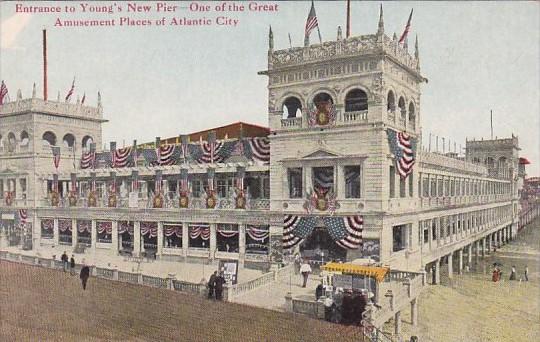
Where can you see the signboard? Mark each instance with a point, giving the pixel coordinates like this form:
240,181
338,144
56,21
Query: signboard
342,280
8,216
229,270
133,199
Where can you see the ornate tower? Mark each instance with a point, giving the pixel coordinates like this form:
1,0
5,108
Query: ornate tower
329,107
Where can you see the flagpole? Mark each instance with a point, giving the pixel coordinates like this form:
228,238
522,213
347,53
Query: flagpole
491,120
348,18
319,31
44,65
290,41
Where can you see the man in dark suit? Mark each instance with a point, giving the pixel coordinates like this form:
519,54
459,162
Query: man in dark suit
212,285
219,286
85,274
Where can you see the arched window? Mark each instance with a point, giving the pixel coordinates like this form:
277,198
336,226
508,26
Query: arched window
412,115
490,163
356,100
12,141
86,141
25,138
292,108
322,98
391,102
69,140
502,163
49,138
402,108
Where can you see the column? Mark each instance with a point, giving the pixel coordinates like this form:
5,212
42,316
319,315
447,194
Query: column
430,232
213,240
93,236
159,239
114,238
241,244
438,230
136,239
414,312
437,271
340,181
397,323
460,265
74,232
56,232
483,247
469,254
450,265
185,239
308,185
36,232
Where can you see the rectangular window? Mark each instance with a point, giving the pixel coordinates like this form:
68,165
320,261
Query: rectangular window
392,182
266,187
425,187
352,181
294,176
323,178
411,185
401,187
196,187
426,235
433,188
452,188
253,185
399,236
440,188
446,187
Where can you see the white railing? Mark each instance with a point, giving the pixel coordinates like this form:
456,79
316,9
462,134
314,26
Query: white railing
355,116
291,122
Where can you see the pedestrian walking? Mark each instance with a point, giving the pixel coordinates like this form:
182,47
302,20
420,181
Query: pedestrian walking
219,286
513,273
297,262
212,285
64,259
72,265
85,274
526,273
305,270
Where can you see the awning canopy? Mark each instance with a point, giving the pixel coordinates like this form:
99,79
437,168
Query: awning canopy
524,161
371,271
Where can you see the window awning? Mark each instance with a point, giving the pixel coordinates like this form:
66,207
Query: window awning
371,271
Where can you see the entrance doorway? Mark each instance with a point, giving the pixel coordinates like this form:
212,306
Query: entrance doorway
319,248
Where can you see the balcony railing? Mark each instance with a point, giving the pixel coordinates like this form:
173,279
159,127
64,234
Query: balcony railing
355,116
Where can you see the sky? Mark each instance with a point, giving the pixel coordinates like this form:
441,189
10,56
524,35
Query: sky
167,80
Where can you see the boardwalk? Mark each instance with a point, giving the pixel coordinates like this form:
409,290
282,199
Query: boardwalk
471,308
47,305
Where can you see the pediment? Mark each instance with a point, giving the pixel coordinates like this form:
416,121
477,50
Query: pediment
322,153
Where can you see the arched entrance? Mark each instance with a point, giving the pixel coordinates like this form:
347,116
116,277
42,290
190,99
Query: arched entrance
319,247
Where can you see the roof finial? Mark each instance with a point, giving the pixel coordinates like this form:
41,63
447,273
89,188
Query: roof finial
339,34
271,39
380,30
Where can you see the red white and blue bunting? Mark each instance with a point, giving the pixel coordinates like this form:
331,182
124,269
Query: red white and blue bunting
84,226
226,231
121,157
47,224
322,114
149,228
64,225
165,154
258,233
125,226
260,148
88,160
210,152
346,231
23,216
170,230
104,227
403,147
202,231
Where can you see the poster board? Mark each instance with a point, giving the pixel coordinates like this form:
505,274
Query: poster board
229,269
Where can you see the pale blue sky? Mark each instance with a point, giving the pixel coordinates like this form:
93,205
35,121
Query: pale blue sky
162,81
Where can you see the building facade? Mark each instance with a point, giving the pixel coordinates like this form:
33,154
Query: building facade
340,174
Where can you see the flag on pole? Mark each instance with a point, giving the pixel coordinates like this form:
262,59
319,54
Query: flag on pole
311,24
3,92
83,98
70,92
290,41
407,28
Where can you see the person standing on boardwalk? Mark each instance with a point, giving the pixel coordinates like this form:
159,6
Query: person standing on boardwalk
72,265
305,269
513,273
297,262
219,286
212,285
85,274
526,273
64,259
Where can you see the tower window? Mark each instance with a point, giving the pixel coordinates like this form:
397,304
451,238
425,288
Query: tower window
391,101
292,108
356,100
294,176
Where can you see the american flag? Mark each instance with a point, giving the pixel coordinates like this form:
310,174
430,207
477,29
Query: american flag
407,28
159,180
210,180
56,156
311,23
70,92
92,181
402,147
135,180
3,92
296,229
